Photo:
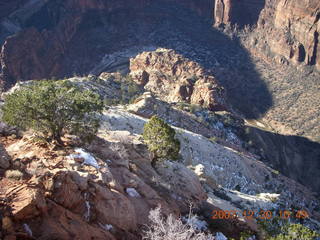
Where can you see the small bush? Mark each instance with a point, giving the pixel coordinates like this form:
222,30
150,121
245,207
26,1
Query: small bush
281,229
171,228
296,231
129,92
54,108
160,138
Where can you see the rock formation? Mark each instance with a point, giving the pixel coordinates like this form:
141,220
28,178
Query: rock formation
105,189
289,29
64,195
176,79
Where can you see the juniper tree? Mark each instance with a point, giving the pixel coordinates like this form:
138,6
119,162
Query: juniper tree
53,108
160,138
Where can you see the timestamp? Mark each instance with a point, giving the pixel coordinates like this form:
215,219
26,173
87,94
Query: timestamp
262,214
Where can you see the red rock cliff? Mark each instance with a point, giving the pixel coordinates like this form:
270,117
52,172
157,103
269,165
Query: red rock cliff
289,29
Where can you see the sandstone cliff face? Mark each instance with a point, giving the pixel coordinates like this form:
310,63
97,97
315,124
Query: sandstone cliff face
289,32
289,29
48,29
298,22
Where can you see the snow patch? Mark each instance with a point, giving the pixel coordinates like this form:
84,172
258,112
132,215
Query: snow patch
88,207
106,227
220,236
27,229
196,223
132,192
88,158
216,167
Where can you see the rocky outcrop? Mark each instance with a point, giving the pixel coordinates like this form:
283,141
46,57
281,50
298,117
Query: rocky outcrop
219,165
107,195
176,79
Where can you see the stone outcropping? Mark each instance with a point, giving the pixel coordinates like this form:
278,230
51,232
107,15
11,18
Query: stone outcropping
65,196
176,79
289,31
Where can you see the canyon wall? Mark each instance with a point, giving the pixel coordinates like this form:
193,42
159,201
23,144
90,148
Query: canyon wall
288,30
43,30
298,25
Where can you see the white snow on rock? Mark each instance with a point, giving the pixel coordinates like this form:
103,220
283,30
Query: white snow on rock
218,161
196,223
220,236
27,229
88,158
132,192
217,164
106,227
87,214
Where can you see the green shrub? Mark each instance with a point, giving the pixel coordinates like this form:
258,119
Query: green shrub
281,229
54,108
129,92
160,138
296,231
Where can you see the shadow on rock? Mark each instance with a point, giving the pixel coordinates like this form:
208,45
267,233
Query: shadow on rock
294,156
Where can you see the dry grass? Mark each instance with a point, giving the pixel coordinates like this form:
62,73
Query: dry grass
171,228
14,174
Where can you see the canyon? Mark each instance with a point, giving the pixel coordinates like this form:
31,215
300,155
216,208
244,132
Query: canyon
239,81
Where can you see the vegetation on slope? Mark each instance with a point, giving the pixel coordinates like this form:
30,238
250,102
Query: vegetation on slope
53,108
160,138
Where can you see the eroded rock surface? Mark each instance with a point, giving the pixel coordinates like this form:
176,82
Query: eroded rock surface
66,197
176,79
290,30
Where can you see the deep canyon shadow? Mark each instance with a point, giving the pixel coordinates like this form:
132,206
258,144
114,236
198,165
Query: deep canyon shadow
246,12
294,156
175,27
